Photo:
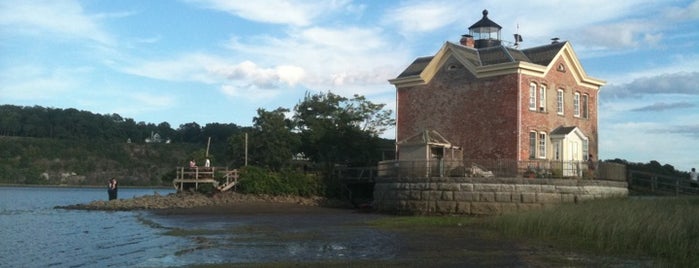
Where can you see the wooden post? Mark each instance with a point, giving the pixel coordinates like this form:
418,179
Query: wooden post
208,143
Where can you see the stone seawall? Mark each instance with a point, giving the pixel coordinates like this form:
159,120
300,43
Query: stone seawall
486,196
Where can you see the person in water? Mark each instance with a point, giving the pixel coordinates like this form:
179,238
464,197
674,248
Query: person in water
112,189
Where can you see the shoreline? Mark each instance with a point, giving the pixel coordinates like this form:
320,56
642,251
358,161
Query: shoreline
226,201
81,186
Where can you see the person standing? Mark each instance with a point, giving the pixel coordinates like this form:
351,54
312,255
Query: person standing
207,163
693,178
112,189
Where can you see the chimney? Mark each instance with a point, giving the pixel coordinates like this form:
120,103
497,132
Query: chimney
467,40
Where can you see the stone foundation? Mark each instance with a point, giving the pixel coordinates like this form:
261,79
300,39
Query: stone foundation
486,196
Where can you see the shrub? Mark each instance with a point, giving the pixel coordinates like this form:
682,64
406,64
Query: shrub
256,180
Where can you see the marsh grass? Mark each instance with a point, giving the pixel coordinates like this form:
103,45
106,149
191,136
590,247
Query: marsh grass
666,229
402,222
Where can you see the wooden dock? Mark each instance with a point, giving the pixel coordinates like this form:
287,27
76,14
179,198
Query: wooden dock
220,179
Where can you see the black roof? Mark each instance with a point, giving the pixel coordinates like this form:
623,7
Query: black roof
562,130
485,22
541,55
416,67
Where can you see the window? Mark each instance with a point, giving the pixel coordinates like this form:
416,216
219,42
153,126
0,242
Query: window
584,106
532,97
559,101
532,145
557,150
586,149
542,145
576,104
542,98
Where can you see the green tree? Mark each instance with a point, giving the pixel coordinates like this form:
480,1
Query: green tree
236,147
338,130
190,132
273,142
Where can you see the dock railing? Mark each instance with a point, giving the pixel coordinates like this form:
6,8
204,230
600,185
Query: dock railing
192,177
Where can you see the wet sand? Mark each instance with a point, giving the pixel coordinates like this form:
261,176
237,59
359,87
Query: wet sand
294,231
457,246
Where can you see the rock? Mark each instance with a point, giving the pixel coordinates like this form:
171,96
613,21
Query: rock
192,200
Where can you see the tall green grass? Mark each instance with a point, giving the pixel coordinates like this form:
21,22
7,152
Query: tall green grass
666,229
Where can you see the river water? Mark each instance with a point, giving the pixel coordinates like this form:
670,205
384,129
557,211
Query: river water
35,234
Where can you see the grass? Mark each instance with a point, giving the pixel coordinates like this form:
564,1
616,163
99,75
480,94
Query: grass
413,222
665,229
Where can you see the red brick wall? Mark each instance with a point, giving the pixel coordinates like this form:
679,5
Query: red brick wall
549,120
481,116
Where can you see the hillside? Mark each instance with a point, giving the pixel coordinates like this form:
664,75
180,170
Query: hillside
26,160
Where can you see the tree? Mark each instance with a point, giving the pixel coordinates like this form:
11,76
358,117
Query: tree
190,132
273,141
236,147
337,130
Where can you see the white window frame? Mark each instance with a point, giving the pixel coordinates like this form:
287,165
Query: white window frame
576,104
560,101
532,97
542,145
542,98
532,144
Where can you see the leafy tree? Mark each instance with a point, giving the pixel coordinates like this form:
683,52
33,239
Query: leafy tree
236,147
273,141
338,130
190,132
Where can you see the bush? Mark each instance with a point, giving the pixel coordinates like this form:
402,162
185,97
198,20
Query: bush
256,180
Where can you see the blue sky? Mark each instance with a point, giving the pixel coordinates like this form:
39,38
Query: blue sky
210,61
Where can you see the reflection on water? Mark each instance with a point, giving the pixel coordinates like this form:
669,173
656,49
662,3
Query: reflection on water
334,236
35,234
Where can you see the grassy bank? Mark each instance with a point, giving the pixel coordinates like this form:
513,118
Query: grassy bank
665,229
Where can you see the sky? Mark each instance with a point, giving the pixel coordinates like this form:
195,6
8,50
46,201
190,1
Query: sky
218,61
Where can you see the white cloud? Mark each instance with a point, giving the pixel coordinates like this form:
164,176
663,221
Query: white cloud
423,16
298,13
64,19
244,80
28,82
646,141
690,12
267,78
665,83
248,92
191,67
346,60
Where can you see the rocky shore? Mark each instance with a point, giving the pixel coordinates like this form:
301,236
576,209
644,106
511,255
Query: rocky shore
195,200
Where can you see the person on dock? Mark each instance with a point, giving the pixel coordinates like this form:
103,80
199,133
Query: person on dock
112,189
693,178
207,163
192,164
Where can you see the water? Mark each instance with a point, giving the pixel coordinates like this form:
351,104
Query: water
34,234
